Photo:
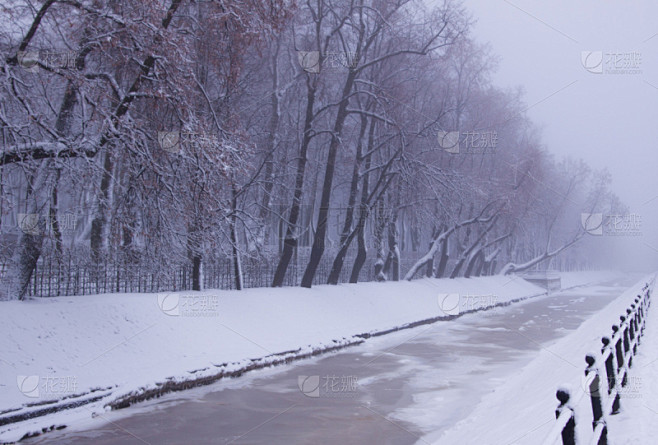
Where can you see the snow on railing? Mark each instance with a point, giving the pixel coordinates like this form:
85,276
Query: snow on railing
603,388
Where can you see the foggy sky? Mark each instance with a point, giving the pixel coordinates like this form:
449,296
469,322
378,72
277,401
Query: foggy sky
606,119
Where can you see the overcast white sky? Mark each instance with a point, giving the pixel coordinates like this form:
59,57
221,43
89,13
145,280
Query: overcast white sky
607,119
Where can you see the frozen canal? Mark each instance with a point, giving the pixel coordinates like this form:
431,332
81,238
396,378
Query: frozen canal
392,389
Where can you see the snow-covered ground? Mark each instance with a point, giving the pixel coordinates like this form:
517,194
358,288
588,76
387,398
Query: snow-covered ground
119,344
637,421
521,410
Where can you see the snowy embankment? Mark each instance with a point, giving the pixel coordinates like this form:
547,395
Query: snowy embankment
521,410
88,353
637,421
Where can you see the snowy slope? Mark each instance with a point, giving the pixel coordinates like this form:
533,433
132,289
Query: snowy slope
522,409
637,421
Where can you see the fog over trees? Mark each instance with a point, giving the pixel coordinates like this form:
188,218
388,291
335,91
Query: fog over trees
176,144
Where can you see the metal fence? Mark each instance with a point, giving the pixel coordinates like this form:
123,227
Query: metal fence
606,376
63,278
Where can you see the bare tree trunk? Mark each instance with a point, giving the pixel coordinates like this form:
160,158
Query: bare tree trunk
98,240
33,227
28,254
362,252
430,272
481,264
196,272
290,242
443,260
437,241
52,217
467,253
474,264
380,226
317,250
194,253
346,235
237,265
392,268
271,144
30,244
479,258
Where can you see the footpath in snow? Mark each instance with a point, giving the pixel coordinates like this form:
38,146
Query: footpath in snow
637,421
522,409
88,353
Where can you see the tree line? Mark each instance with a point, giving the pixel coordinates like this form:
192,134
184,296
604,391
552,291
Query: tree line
174,132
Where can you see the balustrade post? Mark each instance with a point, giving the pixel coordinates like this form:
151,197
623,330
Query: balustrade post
569,430
593,382
610,372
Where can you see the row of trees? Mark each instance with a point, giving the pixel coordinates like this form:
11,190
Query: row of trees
175,132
